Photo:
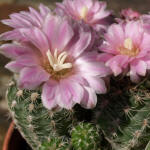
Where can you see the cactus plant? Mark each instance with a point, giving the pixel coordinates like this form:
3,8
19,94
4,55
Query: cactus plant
120,119
71,89
36,123
124,118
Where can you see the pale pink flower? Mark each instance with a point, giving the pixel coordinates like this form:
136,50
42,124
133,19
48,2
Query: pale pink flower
146,22
130,14
127,50
53,54
91,12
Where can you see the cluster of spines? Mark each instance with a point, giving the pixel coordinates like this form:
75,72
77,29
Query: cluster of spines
36,123
124,117
55,144
85,136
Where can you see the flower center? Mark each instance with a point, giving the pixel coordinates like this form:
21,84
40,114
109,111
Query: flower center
83,12
128,48
57,62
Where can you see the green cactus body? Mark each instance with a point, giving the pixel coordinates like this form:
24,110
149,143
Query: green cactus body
120,121
36,123
55,144
123,116
85,136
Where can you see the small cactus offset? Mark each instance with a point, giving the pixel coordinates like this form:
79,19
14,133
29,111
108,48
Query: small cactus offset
81,76
85,136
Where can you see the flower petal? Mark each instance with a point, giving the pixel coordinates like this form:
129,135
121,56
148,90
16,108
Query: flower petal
75,89
14,50
90,99
117,63
64,97
97,84
32,77
141,68
133,74
81,45
49,93
21,62
37,37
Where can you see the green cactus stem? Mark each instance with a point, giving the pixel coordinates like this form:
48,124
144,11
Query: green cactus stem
85,136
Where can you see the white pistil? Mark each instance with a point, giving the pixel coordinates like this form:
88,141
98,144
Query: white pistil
57,61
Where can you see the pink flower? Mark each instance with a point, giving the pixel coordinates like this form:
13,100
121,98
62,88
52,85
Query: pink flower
91,12
146,22
52,54
130,14
127,50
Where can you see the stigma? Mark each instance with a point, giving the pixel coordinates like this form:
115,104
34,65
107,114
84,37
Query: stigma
57,61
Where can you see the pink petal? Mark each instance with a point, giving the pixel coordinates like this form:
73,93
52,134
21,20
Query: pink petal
37,37
133,75
14,50
75,89
14,66
117,63
134,31
144,46
81,45
58,31
98,68
50,29
64,97
36,14
44,10
64,35
103,57
141,67
49,94
90,99
11,35
32,77
11,23
21,62
19,21
115,36
97,84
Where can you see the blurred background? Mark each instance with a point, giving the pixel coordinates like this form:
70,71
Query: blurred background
9,6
